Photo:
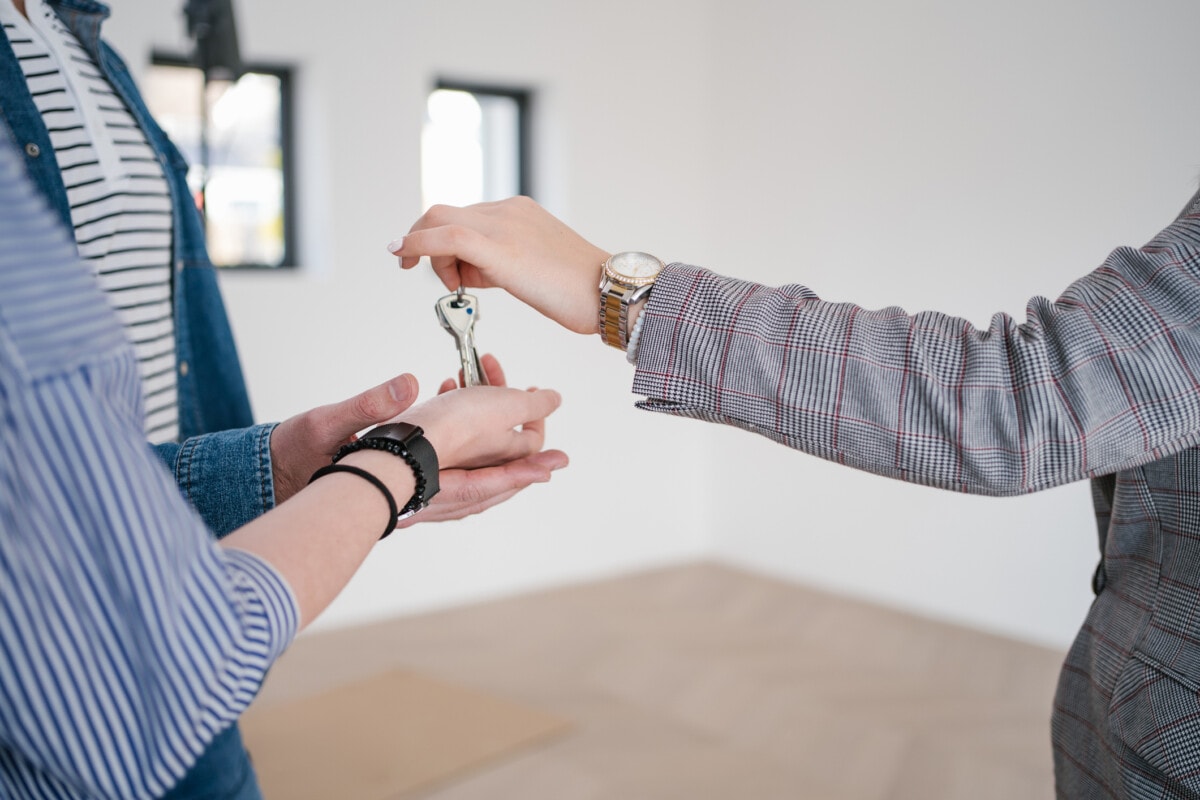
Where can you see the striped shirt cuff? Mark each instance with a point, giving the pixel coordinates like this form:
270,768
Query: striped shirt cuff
262,592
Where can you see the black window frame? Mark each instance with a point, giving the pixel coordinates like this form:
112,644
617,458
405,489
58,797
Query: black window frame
284,74
524,100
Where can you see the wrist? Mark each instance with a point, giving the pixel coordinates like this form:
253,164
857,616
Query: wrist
594,297
285,479
366,471
394,472
406,442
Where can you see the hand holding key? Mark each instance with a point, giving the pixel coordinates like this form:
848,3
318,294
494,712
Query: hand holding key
458,314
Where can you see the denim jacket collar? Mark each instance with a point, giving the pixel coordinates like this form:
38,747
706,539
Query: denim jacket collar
84,18
212,392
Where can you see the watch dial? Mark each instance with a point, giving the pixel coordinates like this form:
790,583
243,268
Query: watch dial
635,266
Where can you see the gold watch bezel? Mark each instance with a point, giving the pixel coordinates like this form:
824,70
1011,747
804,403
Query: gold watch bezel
612,271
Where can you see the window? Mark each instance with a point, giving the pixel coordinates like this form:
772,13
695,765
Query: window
475,144
246,189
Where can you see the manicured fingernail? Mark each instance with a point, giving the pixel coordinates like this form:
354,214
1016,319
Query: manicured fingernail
395,245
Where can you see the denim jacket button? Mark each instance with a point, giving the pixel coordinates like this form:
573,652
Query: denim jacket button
32,150
183,368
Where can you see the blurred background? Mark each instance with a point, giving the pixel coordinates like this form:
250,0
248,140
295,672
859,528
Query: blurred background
930,154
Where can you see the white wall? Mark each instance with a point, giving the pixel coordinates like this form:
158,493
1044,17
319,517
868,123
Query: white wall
953,156
959,157
349,317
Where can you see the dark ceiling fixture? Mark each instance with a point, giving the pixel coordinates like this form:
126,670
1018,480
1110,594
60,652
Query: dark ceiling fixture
212,27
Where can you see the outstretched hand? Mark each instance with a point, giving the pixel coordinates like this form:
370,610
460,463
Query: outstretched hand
514,244
484,426
469,491
317,541
306,442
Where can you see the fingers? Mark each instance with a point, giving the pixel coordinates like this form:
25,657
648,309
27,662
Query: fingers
493,370
455,240
477,426
304,442
441,235
446,269
527,441
446,513
544,403
518,429
536,425
539,404
340,421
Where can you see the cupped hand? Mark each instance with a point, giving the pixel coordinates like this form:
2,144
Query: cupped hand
514,244
470,491
302,444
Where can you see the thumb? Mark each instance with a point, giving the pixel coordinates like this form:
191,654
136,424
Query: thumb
337,422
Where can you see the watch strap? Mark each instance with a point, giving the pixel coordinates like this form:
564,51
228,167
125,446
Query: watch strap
614,313
615,300
408,441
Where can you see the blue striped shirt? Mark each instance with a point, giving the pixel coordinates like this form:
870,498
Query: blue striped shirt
128,640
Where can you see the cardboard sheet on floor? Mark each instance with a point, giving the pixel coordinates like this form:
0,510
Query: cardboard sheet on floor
385,737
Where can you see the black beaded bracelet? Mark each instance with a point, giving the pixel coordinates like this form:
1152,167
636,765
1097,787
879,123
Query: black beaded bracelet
424,488
362,473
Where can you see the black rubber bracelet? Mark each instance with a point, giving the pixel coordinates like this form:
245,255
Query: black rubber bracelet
362,473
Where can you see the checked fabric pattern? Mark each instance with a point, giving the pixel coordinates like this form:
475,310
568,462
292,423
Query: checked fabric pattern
1102,383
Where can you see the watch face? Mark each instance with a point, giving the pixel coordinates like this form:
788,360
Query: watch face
634,268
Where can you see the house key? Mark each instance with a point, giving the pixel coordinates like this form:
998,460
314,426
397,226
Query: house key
458,313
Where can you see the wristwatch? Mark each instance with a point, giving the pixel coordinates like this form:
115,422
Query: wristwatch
627,278
408,441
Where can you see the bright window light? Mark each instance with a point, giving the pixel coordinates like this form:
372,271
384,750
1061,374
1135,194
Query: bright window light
473,145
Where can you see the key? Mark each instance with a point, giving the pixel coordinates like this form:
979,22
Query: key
458,314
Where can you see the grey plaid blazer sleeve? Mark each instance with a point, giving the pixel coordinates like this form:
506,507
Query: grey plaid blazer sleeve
1105,378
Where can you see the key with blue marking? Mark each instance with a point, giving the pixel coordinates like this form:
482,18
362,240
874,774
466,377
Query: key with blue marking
458,314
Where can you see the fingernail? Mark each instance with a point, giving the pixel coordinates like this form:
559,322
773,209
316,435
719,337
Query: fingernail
396,245
552,461
401,388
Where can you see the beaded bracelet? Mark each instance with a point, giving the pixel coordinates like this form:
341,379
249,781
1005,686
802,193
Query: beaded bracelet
417,501
378,484
635,338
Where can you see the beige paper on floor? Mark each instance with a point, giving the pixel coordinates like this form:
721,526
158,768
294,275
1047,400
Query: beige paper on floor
383,737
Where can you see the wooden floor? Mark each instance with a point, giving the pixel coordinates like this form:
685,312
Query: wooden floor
704,681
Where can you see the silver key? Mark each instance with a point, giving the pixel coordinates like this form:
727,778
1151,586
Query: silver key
458,314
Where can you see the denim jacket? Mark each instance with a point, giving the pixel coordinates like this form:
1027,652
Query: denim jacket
223,461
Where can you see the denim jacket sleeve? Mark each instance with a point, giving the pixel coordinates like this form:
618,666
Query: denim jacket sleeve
226,475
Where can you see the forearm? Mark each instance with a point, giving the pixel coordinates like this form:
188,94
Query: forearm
928,398
318,539
114,573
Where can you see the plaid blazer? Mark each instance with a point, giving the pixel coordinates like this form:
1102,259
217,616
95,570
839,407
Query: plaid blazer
1103,383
